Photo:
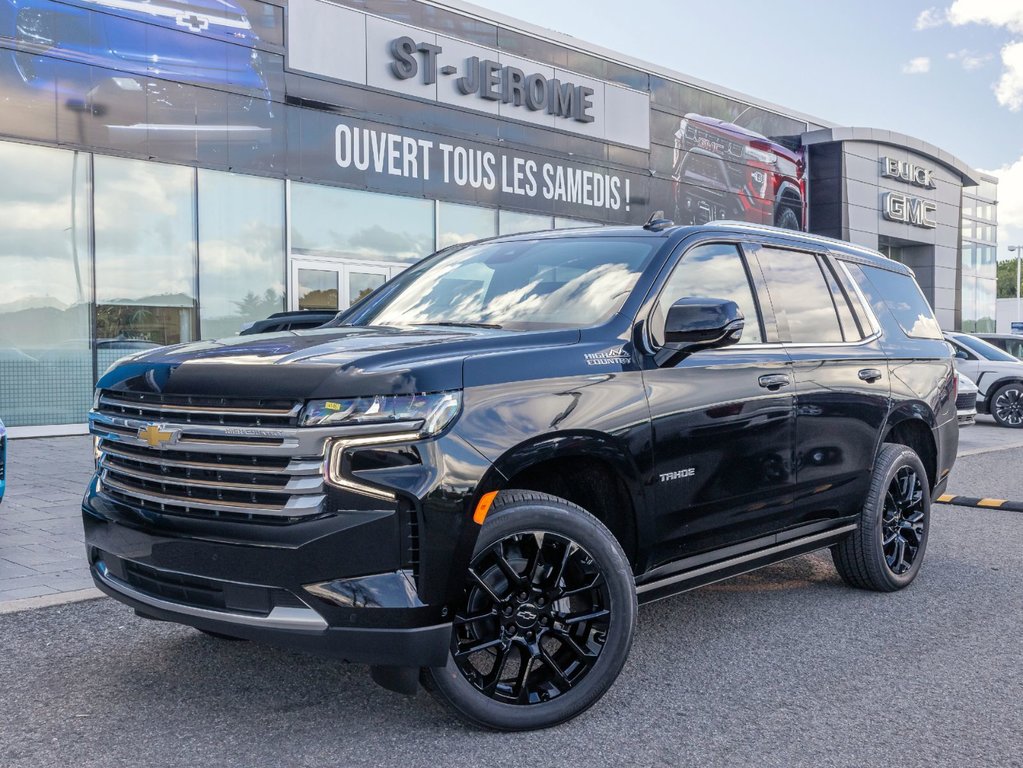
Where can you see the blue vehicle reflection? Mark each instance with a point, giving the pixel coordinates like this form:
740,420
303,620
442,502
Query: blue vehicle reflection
129,62
3,460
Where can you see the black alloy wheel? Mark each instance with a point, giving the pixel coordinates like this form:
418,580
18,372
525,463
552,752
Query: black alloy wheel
546,618
902,520
535,619
887,549
1007,406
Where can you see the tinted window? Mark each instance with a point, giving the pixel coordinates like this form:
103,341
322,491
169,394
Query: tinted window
850,328
713,271
800,296
985,350
902,296
525,284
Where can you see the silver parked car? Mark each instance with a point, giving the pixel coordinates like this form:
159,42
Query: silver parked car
999,377
966,400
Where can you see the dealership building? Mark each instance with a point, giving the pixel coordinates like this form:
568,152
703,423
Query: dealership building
174,170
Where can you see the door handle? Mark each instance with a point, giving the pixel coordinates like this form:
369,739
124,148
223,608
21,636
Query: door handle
774,380
869,375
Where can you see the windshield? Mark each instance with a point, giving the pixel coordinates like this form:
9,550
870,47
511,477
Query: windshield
521,284
985,350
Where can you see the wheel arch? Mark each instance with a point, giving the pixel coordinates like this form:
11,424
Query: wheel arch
913,426
590,469
990,390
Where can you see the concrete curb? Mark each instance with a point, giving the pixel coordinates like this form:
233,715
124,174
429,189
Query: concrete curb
970,501
46,601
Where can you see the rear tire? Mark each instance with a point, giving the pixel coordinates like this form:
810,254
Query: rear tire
1006,405
546,620
786,218
885,553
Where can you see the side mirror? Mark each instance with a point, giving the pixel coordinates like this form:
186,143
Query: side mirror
694,323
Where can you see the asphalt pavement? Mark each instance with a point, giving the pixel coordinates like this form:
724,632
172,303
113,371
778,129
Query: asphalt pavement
786,667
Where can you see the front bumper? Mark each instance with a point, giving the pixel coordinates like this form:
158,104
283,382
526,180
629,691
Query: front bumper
257,589
299,628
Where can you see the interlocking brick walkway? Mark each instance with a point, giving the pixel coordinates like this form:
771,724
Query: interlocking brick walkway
41,549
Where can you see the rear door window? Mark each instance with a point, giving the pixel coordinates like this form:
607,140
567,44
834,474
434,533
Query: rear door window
803,302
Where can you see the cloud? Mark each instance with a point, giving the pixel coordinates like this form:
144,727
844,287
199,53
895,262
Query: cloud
930,18
1009,89
995,13
1010,195
921,65
969,61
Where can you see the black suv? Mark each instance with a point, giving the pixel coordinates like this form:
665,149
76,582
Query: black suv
472,477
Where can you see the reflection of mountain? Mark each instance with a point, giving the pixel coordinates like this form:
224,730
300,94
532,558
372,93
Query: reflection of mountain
160,300
32,302
42,326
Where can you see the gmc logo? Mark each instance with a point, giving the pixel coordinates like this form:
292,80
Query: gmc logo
917,175
896,206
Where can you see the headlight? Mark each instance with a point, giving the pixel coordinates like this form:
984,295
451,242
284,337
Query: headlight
435,411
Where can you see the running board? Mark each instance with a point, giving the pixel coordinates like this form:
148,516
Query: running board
734,566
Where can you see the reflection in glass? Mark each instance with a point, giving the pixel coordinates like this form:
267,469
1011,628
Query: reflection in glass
362,284
145,252
241,251
802,301
710,271
347,223
564,222
513,222
464,223
45,268
317,289
524,284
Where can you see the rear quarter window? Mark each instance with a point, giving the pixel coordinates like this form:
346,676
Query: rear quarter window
901,295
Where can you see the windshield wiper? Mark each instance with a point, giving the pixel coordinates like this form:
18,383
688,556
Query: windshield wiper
453,324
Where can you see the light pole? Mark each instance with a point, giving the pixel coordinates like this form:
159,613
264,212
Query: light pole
1018,250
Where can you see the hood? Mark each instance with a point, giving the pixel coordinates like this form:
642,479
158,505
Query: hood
742,134
322,362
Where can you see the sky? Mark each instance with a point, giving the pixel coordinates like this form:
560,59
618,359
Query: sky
949,73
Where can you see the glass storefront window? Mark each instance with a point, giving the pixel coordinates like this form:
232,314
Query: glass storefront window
145,255
317,288
350,224
241,251
45,264
464,223
563,222
513,222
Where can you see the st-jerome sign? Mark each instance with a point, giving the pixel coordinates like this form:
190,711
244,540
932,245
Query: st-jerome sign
489,80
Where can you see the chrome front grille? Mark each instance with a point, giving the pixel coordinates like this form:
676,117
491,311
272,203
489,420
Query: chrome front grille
211,458
188,409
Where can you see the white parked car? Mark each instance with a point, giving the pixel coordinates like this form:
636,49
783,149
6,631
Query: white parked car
998,375
966,400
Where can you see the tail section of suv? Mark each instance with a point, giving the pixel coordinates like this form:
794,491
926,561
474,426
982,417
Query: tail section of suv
472,477
725,171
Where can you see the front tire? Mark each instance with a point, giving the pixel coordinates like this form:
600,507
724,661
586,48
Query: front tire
546,619
1007,405
884,554
786,218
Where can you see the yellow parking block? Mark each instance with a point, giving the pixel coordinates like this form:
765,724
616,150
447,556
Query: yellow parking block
991,502
945,498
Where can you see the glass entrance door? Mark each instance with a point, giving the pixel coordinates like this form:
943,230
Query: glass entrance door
315,285
332,285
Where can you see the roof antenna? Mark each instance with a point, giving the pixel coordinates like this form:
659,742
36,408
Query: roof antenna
657,222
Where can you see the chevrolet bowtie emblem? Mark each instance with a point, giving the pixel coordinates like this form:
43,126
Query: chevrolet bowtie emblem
156,437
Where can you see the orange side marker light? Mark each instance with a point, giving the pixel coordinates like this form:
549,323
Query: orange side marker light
486,500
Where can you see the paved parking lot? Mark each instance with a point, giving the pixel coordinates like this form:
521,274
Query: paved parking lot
783,667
